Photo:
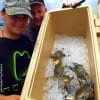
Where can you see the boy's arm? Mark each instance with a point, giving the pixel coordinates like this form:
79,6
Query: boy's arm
0,33
10,97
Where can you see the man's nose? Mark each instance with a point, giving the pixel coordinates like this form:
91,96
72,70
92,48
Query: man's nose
36,15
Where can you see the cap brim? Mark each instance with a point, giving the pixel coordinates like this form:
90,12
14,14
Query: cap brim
36,2
18,10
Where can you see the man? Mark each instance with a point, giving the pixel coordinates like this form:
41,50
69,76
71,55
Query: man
15,49
38,11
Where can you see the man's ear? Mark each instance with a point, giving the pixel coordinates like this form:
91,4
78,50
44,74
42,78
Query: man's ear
45,9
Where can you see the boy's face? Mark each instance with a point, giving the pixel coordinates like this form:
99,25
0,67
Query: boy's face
15,24
38,12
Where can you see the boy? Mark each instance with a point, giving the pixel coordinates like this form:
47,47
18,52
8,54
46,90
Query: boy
15,49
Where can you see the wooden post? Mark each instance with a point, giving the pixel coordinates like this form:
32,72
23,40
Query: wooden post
97,19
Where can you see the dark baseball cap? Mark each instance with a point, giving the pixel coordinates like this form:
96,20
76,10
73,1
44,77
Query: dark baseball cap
37,2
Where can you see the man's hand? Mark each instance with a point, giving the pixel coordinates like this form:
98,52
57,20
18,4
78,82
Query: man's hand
73,4
67,5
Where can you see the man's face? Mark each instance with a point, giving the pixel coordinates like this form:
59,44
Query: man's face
38,12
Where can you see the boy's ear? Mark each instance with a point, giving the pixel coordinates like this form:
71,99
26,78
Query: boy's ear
2,13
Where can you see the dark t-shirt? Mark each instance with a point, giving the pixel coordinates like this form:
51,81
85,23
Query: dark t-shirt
14,60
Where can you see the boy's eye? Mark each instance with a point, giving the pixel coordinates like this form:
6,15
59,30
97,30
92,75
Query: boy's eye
14,17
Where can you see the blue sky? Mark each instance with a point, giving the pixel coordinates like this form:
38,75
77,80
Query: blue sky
53,4
0,3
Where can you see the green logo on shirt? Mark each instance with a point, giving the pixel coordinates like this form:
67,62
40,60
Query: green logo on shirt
14,69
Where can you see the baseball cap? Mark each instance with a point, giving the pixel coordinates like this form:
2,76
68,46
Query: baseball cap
37,1
13,7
